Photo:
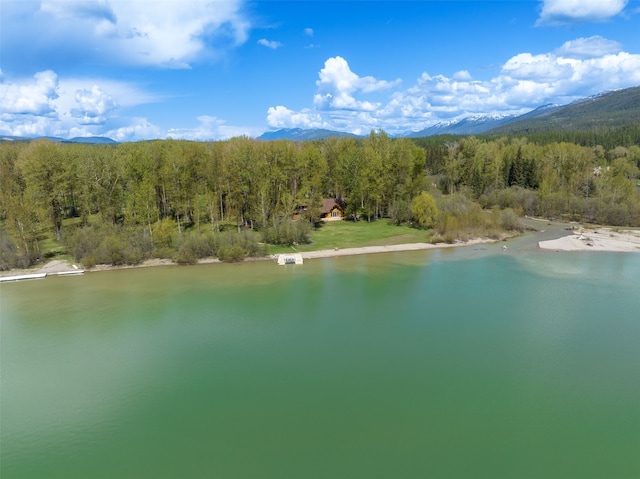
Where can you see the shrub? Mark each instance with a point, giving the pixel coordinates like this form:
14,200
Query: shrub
288,232
185,257
508,220
231,253
164,232
108,244
424,210
11,256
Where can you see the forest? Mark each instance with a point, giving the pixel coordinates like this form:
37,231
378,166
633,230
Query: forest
184,200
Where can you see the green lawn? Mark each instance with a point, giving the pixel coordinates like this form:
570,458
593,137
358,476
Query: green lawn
350,234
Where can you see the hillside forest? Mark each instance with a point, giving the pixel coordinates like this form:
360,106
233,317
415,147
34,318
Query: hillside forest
184,200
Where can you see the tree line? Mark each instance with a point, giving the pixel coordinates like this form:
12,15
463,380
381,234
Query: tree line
150,197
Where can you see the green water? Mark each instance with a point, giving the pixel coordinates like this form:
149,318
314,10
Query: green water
473,363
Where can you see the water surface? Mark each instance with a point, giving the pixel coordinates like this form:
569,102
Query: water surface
448,364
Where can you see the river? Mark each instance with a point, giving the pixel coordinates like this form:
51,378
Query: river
472,362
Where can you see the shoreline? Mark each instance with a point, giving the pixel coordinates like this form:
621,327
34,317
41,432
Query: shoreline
596,239
59,266
582,239
331,253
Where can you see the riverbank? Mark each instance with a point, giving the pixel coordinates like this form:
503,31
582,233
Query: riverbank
583,239
330,253
596,239
59,266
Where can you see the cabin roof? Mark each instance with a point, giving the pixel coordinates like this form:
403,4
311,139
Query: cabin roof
330,203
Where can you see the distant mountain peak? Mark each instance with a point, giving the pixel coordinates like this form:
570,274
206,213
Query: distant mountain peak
607,110
299,134
93,140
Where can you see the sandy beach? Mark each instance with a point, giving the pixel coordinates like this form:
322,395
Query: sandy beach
330,253
599,239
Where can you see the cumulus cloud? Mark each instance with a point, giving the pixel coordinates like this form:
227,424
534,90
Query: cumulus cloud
45,105
269,43
137,129
211,128
30,97
560,12
578,68
160,33
337,85
308,32
591,47
283,117
93,106
463,75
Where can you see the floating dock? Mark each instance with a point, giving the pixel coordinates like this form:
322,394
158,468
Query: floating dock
75,272
289,259
22,277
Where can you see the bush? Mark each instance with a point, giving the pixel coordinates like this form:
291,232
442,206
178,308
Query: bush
164,232
11,256
108,244
463,219
400,212
185,257
288,232
231,253
509,220
195,245
424,210
520,199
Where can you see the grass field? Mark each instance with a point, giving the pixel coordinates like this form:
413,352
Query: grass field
350,234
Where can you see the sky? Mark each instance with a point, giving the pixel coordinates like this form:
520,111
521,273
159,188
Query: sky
213,69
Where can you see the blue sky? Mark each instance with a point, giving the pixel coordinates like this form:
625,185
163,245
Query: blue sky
214,69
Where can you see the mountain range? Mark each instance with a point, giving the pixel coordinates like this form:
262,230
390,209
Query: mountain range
607,111
93,140
610,110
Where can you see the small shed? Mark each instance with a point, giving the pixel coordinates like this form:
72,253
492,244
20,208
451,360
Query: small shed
332,209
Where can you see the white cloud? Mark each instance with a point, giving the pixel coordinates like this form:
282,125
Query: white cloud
282,117
47,105
591,47
44,105
579,68
93,106
30,97
138,129
211,128
337,75
463,75
160,33
541,68
560,12
338,84
269,43
308,32
27,127
124,94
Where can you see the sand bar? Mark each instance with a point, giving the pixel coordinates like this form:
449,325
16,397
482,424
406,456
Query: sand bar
600,239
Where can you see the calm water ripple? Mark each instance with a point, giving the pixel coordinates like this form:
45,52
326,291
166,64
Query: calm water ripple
466,363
